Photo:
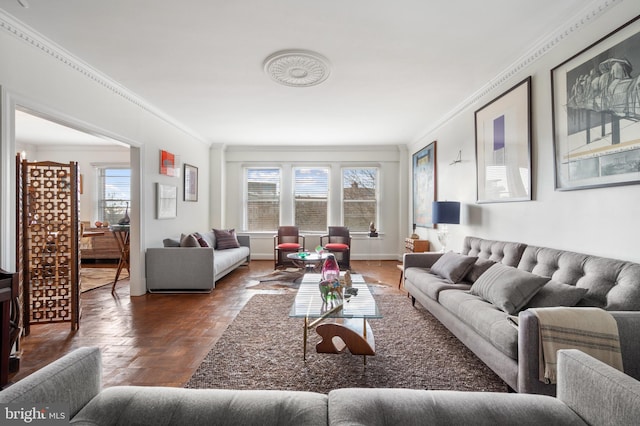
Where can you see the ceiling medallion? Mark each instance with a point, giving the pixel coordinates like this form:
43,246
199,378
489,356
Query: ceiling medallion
297,68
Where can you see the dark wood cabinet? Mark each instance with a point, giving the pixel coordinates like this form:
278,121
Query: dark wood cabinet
99,244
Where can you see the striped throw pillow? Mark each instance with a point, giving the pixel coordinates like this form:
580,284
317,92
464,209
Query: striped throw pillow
226,239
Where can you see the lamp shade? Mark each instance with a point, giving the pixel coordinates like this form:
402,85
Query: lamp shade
446,212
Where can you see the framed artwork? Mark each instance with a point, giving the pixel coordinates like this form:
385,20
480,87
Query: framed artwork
190,183
596,113
424,185
167,163
503,146
166,201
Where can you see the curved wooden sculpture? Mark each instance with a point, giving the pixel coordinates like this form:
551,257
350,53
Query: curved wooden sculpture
354,334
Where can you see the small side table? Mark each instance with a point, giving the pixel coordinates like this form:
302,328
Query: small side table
121,234
401,267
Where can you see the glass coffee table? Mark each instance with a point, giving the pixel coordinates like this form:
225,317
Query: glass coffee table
307,260
349,317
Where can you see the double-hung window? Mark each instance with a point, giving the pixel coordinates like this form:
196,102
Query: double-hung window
311,194
263,198
114,192
359,197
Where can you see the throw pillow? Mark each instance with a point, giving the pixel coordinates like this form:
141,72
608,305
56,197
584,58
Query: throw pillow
555,293
201,240
226,239
453,266
189,241
478,269
170,242
507,288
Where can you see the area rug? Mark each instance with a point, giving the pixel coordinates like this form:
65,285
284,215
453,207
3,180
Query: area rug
262,349
92,278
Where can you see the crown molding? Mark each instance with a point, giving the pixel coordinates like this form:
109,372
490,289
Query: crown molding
21,31
544,45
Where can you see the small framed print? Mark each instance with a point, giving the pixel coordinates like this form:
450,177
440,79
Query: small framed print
190,183
166,201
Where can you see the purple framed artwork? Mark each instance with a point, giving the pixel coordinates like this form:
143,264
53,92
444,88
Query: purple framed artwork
503,146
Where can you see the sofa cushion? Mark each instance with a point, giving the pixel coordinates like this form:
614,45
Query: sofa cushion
484,318
477,269
170,242
507,253
507,288
453,266
554,293
189,241
430,284
226,239
128,405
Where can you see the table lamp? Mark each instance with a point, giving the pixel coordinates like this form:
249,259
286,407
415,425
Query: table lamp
444,213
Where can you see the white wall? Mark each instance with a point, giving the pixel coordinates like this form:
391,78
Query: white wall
601,221
37,79
387,158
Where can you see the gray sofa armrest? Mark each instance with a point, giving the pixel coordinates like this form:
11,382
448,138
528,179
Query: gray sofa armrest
420,260
75,379
597,392
180,268
245,241
528,356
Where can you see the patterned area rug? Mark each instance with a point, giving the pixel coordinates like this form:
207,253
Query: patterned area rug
262,349
92,278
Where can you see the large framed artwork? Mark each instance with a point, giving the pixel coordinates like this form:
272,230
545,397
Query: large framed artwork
166,201
503,146
596,113
424,185
190,183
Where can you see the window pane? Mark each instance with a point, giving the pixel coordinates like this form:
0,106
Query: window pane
115,193
263,199
311,190
360,204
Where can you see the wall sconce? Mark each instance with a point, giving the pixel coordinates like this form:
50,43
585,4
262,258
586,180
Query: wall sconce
444,213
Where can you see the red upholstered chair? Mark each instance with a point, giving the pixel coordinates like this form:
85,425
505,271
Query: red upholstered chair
338,242
287,241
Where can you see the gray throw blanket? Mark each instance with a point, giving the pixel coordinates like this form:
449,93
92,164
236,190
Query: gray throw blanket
591,330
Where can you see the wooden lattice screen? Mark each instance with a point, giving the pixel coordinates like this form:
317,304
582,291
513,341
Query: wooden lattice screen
50,232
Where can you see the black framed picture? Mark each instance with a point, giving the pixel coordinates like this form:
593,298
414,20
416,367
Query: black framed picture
596,113
190,183
503,146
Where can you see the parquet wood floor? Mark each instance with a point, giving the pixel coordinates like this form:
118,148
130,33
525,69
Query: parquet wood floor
159,339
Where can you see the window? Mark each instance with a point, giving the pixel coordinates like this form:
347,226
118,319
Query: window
263,199
114,193
359,197
310,193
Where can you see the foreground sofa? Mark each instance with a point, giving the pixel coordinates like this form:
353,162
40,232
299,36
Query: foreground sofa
173,268
512,352
589,392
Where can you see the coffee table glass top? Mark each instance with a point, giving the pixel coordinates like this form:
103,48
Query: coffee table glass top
307,256
309,304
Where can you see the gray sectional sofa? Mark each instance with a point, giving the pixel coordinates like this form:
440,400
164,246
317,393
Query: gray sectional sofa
589,393
479,319
176,268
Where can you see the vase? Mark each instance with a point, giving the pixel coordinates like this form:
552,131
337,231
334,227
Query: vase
330,269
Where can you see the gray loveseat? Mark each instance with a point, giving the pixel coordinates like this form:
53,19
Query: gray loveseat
483,327
589,392
173,268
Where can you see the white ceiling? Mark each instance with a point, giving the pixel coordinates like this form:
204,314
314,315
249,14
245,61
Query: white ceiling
398,67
